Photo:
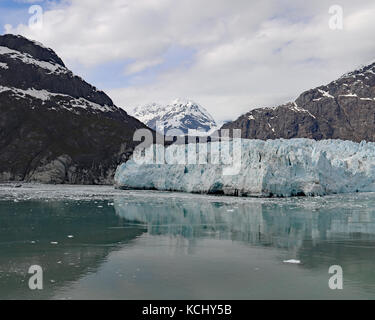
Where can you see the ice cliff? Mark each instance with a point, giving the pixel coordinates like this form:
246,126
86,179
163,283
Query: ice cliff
268,168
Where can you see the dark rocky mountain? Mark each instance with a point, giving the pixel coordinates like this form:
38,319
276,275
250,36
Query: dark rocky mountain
343,109
54,126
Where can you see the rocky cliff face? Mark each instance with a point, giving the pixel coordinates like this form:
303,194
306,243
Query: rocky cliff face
343,109
54,126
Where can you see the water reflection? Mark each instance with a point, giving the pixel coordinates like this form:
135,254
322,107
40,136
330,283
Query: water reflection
282,223
68,239
163,246
320,232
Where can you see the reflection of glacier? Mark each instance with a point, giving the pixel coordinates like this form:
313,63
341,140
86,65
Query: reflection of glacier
278,223
320,232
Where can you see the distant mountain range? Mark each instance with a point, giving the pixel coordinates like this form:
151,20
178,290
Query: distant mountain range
181,115
54,126
343,109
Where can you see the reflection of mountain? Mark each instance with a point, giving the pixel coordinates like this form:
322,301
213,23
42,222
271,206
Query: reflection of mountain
321,231
96,234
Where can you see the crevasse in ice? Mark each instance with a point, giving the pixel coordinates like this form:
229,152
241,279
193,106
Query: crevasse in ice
268,168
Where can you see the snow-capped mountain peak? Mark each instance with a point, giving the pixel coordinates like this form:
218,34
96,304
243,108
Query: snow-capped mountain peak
55,88
180,114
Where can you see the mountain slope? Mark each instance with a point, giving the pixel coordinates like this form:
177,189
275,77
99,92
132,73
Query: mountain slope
181,115
343,109
54,126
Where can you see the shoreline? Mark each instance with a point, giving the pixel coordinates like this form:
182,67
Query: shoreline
51,191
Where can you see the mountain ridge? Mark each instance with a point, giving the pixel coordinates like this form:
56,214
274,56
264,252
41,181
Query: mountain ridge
342,109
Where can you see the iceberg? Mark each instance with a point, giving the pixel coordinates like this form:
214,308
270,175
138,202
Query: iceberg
273,168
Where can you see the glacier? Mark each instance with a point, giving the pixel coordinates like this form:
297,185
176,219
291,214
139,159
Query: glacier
273,168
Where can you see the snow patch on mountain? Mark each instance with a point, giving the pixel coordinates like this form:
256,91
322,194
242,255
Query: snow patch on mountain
183,115
28,59
294,107
268,168
85,104
67,102
43,95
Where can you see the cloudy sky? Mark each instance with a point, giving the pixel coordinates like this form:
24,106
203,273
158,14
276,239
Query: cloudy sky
229,56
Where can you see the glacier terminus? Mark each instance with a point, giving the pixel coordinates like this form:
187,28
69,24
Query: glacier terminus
273,168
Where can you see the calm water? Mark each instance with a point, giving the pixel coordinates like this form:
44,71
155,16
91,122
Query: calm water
150,245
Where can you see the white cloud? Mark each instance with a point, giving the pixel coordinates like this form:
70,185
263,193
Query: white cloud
247,53
139,66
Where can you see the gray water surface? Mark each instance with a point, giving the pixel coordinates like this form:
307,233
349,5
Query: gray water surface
101,243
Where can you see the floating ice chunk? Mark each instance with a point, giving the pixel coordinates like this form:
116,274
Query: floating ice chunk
292,261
